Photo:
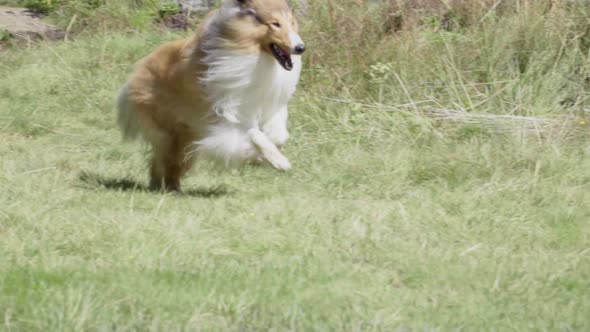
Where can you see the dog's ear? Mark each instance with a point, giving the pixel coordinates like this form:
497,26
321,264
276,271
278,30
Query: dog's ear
244,4
252,13
247,10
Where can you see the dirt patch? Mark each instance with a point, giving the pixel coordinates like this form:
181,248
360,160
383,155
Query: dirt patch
26,25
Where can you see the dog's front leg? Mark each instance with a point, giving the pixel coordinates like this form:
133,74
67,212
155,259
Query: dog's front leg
276,127
269,150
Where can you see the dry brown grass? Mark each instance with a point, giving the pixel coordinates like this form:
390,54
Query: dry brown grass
406,14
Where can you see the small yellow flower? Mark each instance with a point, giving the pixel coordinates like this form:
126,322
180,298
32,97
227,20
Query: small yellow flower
583,123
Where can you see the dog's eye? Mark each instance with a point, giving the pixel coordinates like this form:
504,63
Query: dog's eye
276,24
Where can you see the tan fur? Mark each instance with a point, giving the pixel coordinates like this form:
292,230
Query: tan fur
168,102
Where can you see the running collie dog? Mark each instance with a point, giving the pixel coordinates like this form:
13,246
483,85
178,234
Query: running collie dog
221,94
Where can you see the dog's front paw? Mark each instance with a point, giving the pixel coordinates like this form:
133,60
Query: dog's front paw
279,162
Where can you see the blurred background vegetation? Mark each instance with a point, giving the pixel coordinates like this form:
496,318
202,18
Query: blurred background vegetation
453,57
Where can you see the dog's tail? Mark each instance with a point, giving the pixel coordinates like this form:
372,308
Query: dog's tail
127,117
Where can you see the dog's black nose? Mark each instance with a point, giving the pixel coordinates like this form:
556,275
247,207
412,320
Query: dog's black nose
299,49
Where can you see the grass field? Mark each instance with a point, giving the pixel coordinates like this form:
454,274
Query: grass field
427,194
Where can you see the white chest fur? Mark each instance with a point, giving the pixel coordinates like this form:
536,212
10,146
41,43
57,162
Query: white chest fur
247,92
248,89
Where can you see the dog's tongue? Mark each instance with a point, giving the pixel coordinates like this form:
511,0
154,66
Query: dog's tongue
288,62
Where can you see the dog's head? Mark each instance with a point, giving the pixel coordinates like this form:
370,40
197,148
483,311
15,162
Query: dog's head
266,26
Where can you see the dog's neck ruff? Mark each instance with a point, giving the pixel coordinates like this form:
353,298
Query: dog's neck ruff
244,88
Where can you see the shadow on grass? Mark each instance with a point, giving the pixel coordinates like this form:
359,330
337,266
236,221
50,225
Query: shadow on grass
126,184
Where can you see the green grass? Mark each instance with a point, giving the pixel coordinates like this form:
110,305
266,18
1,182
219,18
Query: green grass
13,3
396,214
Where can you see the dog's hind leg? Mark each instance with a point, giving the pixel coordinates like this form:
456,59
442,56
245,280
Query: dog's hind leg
170,162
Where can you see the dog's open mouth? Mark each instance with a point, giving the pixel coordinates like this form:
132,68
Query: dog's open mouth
284,58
